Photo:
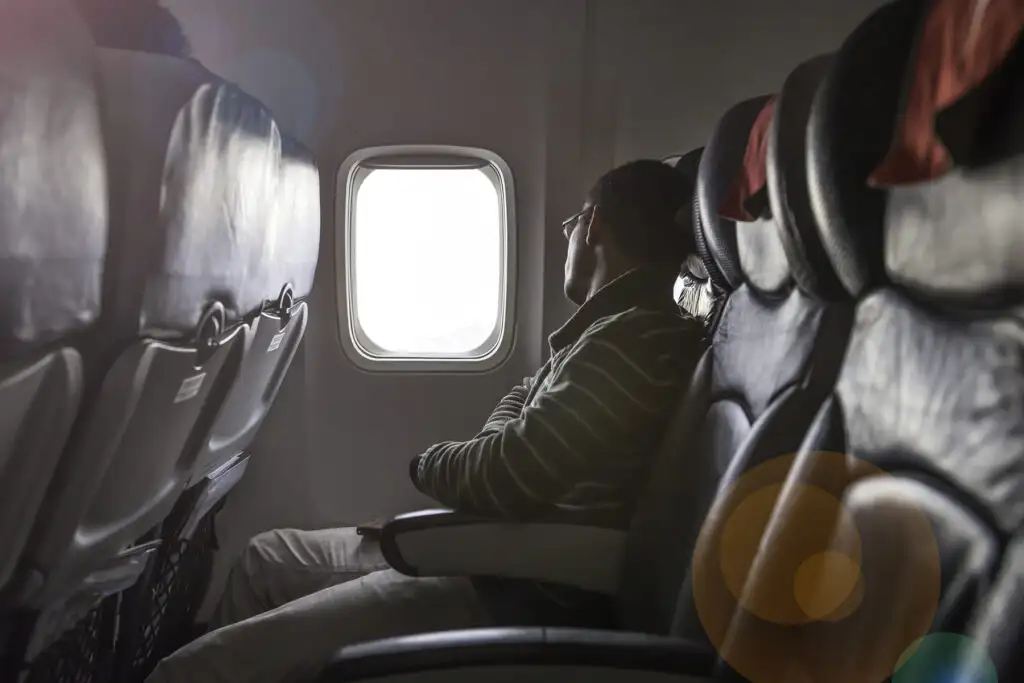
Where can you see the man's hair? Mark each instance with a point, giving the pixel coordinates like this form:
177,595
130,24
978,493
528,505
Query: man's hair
140,25
639,202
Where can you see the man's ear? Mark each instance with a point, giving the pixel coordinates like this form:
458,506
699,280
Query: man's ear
595,228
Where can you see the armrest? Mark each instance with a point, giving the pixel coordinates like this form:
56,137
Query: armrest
558,549
531,654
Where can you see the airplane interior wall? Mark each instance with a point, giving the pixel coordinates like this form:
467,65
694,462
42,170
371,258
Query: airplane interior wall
560,89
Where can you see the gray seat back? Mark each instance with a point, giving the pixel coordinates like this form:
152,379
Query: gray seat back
53,237
272,337
194,171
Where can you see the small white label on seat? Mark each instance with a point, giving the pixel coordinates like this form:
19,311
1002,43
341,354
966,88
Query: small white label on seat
190,387
275,342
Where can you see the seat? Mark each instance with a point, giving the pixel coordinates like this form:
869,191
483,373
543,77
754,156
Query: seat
53,239
774,356
197,215
775,351
273,336
159,613
270,338
920,450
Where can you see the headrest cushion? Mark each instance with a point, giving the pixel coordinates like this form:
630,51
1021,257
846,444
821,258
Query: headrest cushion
957,239
849,131
747,197
961,44
722,160
952,238
787,183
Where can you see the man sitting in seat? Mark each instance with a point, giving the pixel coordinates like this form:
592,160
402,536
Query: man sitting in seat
577,437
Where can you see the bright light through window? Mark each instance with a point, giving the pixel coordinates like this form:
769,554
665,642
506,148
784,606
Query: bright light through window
427,262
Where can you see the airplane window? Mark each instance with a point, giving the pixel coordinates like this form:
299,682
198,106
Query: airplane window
427,263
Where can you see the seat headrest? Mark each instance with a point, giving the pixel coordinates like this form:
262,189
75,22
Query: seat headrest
848,134
933,203
694,267
788,197
53,183
722,163
778,243
212,202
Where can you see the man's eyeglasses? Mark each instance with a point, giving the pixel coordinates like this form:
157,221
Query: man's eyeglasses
570,223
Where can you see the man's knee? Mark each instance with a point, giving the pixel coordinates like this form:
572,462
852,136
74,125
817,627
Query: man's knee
263,552
269,559
260,578
297,562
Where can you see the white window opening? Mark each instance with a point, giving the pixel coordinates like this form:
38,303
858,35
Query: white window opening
427,259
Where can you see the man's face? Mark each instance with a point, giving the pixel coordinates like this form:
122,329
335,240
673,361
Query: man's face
580,259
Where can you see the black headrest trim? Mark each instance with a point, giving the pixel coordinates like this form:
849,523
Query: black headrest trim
689,165
723,157
714,274
850,130
787,183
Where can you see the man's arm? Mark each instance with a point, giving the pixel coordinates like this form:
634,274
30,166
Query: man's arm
613,388
509,408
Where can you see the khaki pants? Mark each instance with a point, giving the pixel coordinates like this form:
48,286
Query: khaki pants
297,596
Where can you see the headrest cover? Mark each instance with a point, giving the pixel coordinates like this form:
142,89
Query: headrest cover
956,239
952,239
746,198
961,44
53,183
213,202
787,183
723,157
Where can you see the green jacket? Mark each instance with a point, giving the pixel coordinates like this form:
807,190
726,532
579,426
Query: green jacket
581,434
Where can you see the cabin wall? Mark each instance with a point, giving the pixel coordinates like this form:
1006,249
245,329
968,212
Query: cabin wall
561,89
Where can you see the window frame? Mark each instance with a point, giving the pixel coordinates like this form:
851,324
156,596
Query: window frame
352,172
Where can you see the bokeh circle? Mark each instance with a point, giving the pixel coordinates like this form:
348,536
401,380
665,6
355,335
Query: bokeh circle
818,568
945,658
